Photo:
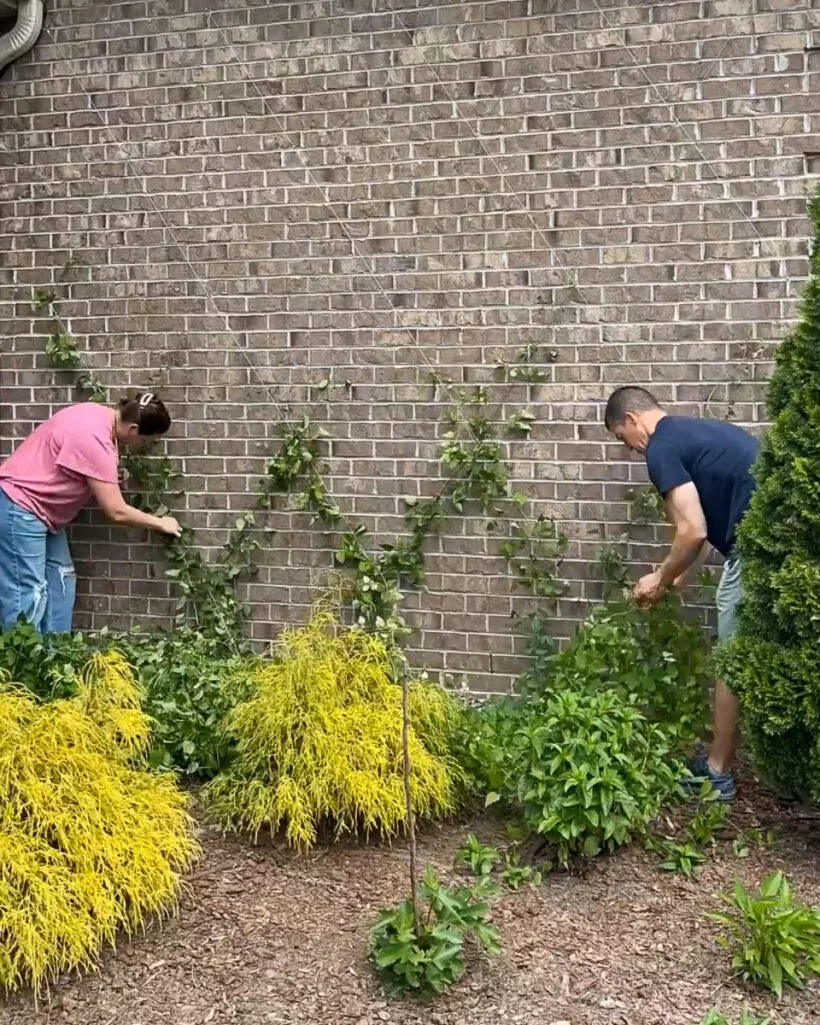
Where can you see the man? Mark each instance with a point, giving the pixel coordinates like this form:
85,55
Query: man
702,470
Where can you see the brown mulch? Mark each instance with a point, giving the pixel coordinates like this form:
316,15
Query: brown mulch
267,937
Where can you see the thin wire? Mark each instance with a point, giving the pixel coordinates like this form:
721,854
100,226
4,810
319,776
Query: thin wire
445,385
674,118
126,157
511,190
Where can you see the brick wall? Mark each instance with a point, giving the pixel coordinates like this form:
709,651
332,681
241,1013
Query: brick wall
269,194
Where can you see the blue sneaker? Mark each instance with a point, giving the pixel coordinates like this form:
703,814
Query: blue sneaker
722,782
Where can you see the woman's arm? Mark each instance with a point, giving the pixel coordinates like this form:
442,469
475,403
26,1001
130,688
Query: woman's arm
117,510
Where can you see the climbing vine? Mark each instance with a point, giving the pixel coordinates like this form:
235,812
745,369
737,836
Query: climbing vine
207,591
61,347
474,475
150,477
477,475
299,462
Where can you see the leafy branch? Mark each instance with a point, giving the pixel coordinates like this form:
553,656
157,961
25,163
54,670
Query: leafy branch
61,347
208,595
299,461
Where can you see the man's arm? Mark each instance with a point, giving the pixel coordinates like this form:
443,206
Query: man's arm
688,575
684,510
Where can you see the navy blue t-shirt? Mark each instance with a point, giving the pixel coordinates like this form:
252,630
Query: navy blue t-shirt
717,457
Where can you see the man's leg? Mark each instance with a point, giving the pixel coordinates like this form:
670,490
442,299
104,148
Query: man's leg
724,741
718,764
62,585
22,565
727,706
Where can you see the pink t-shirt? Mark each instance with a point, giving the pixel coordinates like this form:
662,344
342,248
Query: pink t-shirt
48,473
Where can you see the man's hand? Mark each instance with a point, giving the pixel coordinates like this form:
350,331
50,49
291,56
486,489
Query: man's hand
649,589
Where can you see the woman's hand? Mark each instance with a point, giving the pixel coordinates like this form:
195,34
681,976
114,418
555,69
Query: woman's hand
168,525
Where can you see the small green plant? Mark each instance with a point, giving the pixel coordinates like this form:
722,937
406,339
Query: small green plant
44,300
747,1018
687,853
678,857
521,421
92,387
752,837
530,365
647,505
709,818
473,456
774,940
480,859
374,589
514,874
612,564
423,953
61,349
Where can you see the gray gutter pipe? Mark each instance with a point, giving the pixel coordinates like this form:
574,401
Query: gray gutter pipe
24,33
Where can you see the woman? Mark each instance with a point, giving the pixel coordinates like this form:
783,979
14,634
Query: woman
44,484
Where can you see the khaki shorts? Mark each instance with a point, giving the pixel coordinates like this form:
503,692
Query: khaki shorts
729,593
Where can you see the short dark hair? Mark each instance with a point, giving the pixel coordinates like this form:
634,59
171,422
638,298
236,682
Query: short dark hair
147,411
629,399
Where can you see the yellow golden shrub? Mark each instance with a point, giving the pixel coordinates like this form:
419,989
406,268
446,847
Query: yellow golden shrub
320,741
89,845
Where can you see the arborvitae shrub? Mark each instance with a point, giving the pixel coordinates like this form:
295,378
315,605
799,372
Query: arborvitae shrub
319,742
89,845
773,664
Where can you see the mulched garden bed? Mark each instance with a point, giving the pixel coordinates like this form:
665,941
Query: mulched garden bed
268,937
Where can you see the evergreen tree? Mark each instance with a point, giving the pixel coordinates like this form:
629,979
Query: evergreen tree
773,664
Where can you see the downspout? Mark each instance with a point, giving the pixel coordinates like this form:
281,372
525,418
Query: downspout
24,34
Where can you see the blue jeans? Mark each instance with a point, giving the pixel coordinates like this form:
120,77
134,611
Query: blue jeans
37,578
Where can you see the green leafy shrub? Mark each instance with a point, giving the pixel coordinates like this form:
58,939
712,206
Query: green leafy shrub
428,957
47,666
773,663
191,686
89,845
774,940
188,681
652,656
591,771
485,742
319,741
